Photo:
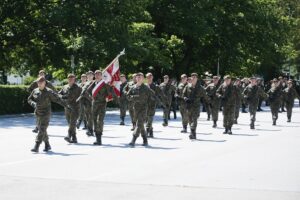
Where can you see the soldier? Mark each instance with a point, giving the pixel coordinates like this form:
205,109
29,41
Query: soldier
87,104
192,94
173,106
82,116
206,105
245,83
70,93
152,103
40,99
251,94
282,85
168,89
181,102
226,93
260,84
98,91
289,96
130,103
140,95
34,85
275,95
238,88
211,90
123,99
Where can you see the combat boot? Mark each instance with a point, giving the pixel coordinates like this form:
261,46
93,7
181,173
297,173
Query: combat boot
98,139
175,116
226,131
85,125
89,132
36,147
74,139
151,133
148,132
78,124
165,122
208,117
244,110
193,134
122,123
229,131
133,127
274,123
215,124
35,130
145,141
289,120
235,121
132,143
252,125
184,130
47,147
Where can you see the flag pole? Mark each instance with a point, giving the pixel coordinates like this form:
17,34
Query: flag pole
119,55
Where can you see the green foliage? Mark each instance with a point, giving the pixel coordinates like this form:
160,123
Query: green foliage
13,100
161,36
28,80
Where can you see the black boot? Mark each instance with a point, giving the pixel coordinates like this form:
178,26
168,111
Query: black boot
165,122
36,147
252,125
98,139
193,135
208,117
175,116
148,132
78,124
68,138
35,130
90,132
229,131
274,122
215,124
132,143
184,130
235,121
289,120
47,147
145,141
151,133
122,123
226,131
74,139
133,126
85,125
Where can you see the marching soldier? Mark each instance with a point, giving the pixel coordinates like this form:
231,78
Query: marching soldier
70,93
211,90
181,102
275,95
290,94
34,85
238,88
40,99
123,99
98,91
87,104
130,103
245,83
226,93
168,89
82,116
192,94
260,84
152,103
140,95
251,94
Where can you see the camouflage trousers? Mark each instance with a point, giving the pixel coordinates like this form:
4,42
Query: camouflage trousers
237,109
167,109
123,107
72,117
193,114
140,114
228,115
289,110
275,109
42,124
150,115
99,110
184,115
131,112
88,114
215,107
252,111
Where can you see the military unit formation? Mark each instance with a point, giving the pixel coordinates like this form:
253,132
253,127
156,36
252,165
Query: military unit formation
87,101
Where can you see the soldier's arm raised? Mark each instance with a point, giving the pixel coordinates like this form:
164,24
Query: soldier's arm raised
31,101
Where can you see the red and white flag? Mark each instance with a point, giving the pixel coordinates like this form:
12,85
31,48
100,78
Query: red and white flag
97,88
111,75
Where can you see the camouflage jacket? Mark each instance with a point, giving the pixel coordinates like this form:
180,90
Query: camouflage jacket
70,94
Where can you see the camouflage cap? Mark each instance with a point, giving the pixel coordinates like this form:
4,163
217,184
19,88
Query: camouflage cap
140,74
194,74
227,77
42,72
215,77
89,72
183,76
149,74
83,75
71,76
290,81
98,71
252,78
41,79
166,76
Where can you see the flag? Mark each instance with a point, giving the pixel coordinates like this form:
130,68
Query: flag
97,88
111,75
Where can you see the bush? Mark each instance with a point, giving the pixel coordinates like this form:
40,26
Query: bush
13,100
28,80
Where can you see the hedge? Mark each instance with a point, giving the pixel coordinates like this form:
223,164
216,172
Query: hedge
13,100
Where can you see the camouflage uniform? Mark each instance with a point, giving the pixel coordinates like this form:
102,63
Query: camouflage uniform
182,106
70,94
289,96
192,96
123,103
238,102
228,97
87,107
128,86
140,96
275,95
211,90
41,101
152,106
168,90
99,103
251,94
82,114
